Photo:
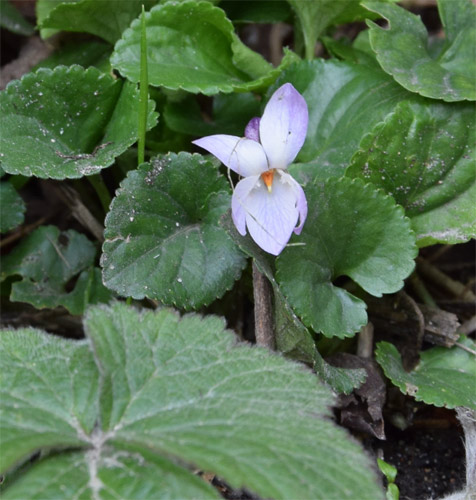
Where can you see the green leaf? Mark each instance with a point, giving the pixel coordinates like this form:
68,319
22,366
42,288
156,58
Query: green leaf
345,101
86,53
13,21
175,393
345,50
162,235
443,377
351,230
292,337
104,19
188,391
393,493
12,207
314,17
193,46
231,113
423,155
456,15
403,52
48,261
388,470
48,393
104,473
257,11
67,123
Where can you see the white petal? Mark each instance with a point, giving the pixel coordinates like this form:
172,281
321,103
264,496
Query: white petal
238,201
243,156
283,126
301,202
272,217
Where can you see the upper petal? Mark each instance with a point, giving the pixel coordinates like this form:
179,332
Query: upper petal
271,216
238,202
244,156
283,126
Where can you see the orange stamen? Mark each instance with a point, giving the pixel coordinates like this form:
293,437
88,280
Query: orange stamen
268,178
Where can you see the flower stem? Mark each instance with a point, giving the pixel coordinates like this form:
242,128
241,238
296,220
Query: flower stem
143,92
263,295
104,196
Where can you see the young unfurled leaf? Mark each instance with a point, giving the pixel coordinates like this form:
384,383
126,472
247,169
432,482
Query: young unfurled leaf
193,46
423,155
47,261
352,230
403,52
163,240
67,123
443,377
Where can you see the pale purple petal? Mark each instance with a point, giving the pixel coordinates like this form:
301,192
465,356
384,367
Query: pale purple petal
238,201
271,216
283,126
252,129
243,156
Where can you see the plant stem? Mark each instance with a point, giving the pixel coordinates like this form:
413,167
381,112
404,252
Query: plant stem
422,291
434,274
104,196
143,92
263,295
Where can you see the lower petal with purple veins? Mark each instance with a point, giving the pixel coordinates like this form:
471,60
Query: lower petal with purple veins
238,202
272,216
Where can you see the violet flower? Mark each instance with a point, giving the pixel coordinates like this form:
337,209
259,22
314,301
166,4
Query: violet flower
267,201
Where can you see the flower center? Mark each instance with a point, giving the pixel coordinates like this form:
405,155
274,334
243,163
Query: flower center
268,178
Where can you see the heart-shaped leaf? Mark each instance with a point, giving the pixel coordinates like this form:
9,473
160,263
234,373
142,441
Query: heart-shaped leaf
175,394
12,207
423,155
443,377
106,20
403,52
67,123
48,261
345,101
192,46
351,230
163,240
